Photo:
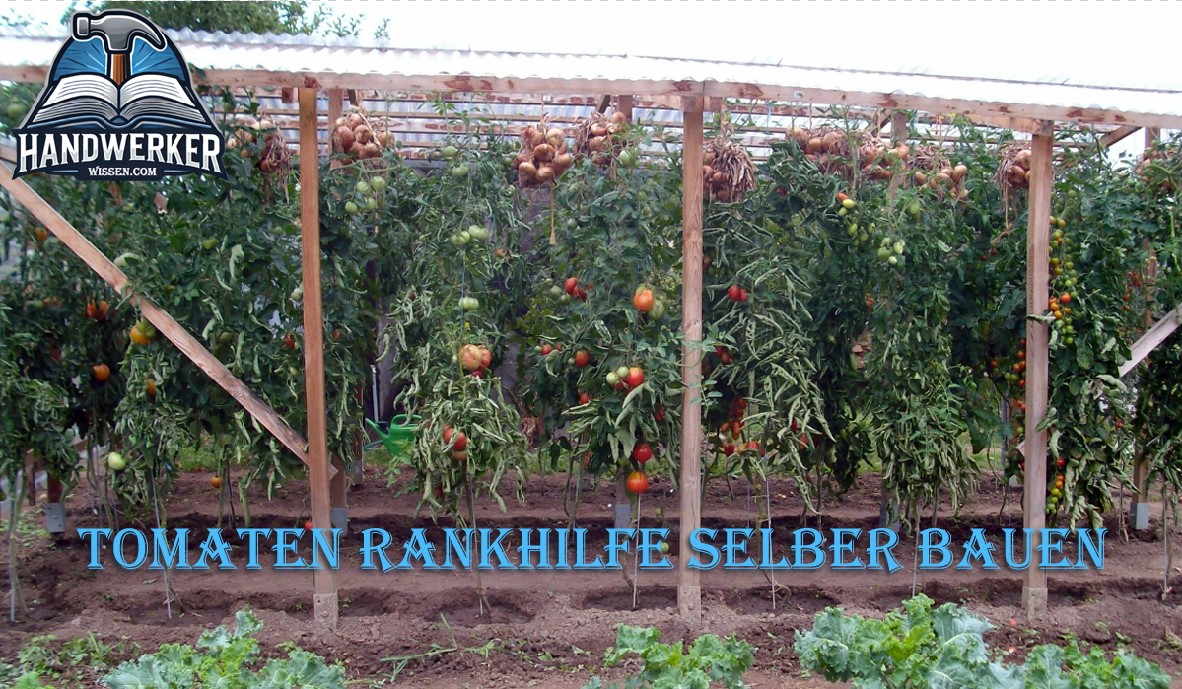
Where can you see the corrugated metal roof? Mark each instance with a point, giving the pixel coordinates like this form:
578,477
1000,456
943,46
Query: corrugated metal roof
352,63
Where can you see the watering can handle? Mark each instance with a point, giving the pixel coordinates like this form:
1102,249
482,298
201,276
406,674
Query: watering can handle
377,429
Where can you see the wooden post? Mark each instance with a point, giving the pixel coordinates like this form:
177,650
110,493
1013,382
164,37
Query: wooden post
325,596
1139,509
338,488
336,105
623,503
1034,484
689,589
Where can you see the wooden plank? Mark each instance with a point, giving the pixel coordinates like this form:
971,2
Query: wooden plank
1034,483
603,103
1152,135
946,106
325,597
465,83
623,504
1017,124
336,105
164,322
1153,337
689,588
1117,135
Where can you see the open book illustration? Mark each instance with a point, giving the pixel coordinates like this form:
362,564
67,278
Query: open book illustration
156,99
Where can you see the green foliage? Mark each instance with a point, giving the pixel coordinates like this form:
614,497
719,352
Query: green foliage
708,662
944,648
226,659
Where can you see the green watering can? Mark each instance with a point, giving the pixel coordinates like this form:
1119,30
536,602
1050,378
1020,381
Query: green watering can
399,435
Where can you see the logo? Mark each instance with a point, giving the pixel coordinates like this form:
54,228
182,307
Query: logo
118,104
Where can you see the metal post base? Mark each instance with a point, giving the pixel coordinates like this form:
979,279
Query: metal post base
1139,516
55,517
325,610
339,518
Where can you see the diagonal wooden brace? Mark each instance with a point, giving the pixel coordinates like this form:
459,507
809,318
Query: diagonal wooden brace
164,322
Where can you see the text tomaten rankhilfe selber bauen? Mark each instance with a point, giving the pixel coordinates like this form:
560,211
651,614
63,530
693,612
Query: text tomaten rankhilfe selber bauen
565,549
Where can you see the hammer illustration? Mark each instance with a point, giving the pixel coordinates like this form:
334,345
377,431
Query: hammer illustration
117,29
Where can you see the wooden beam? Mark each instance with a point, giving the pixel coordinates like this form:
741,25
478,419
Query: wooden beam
1025,125
689,589
603,103
325,607
1034,482
164,322
336,105
942,106
1153,337
1117,135
1152,136
623,504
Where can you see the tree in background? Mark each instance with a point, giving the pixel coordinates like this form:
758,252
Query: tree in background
245,17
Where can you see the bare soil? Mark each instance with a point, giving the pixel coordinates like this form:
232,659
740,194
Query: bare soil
547,629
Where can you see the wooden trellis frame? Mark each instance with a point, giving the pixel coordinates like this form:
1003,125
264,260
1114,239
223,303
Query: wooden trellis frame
693,98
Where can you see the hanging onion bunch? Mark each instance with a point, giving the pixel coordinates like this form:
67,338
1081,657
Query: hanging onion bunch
727,172
826,146
355,137
263,138
879,161
1014,170
932,168
544,155
601,137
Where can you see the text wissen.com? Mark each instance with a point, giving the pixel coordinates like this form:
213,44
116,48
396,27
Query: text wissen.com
567,549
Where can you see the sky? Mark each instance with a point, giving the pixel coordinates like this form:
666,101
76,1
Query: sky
1132,44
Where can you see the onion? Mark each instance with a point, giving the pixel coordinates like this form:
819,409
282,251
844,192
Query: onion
233,143
964,194
959,172
831,141
814,145
345,135
707,171
355,120
598,130
708,157
527,170
944,178
932,184
536,138
522,157
1023,158
618,117
363,134
341,122
798,135
597,143
356,149
615,128
543,152
545,174
902,150
921,177
719,178
373,150
555,137
601,159
384,138
563,161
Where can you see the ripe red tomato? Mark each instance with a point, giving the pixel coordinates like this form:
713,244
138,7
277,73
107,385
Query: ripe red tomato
659,414
308,525
546,349
637,482
101,372
735,293
582,358
215,482
642,452
571,285
457,440
1065,298
643,300
1060,462
728,450
635,377
485,357
743,295
584,398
